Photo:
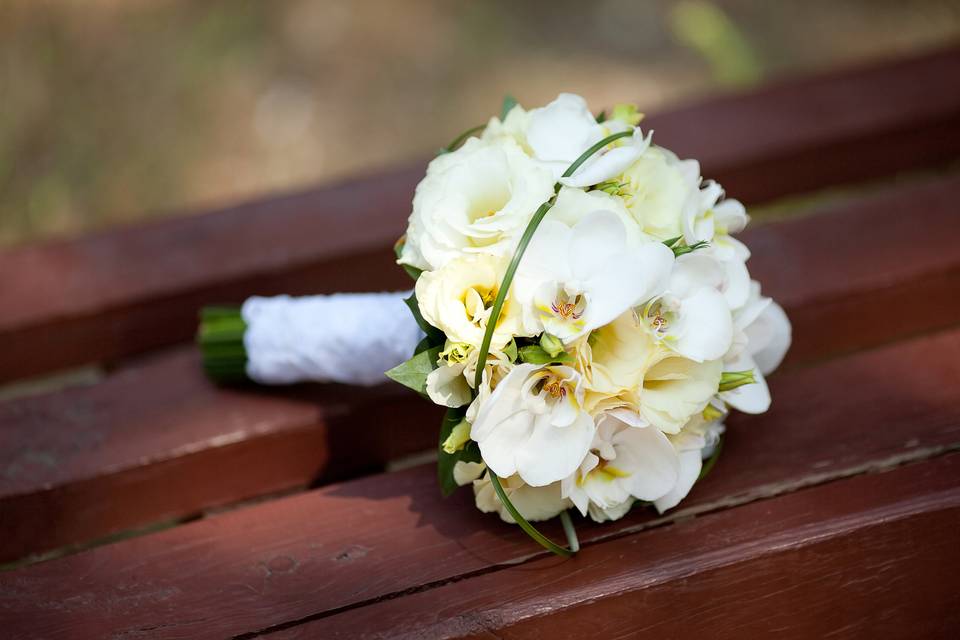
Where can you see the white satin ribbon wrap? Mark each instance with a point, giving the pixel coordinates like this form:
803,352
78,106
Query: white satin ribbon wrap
344,337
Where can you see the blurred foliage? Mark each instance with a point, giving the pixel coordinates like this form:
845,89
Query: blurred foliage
111,111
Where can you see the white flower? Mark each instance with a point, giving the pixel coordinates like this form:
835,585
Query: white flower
457,299
627,367
533,424
450,384
692,447
627,460
573,205
659,189
573,280
477,199
467,472
533,503
562,131
514,126
692,316
763,337
706,216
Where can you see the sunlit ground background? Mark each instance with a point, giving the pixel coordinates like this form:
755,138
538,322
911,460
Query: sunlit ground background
113,111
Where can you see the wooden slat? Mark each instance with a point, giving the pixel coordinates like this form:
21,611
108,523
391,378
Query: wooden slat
797,135
159,441
162,422
357,543
131,290
873,556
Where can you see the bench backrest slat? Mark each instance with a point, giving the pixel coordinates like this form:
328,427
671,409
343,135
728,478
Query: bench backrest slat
130,290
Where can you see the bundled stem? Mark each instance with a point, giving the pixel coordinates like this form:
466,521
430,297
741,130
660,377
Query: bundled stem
221,343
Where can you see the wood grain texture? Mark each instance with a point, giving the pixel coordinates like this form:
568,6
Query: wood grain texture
131,290
356,543
851,276
161,423
158,441
871,556
797,135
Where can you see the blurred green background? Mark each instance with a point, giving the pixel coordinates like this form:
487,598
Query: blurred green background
114,111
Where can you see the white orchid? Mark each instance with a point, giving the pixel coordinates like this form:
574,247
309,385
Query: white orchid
692,316
534,424
575,279
560,132
628,459
477,199
659,189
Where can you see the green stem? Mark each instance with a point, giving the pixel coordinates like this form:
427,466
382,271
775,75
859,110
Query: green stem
528,528
463,136
492,323
568,529
712,460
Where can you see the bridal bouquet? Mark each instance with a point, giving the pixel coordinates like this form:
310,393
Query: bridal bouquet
582,310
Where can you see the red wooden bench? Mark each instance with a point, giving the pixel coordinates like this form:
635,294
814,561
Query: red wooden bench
836,512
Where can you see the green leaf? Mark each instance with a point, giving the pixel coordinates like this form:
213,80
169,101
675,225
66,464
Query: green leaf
446,461
413,373
712,460
511,350
434,334
460,139
413,272
601,117
682,248
509,102
424,345
535,354
471,453
685,249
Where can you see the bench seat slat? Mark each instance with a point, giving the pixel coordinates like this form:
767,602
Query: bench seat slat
872,556
355,543
131,290
161,424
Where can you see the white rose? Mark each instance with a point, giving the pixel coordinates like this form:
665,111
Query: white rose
477,199
514,126
628,368
659,189
458,297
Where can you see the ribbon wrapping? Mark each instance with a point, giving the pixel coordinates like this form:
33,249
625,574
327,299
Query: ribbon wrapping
344,337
